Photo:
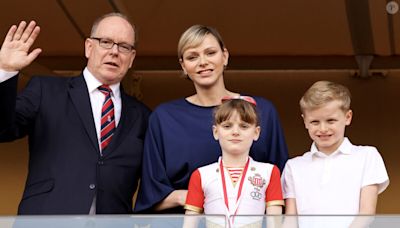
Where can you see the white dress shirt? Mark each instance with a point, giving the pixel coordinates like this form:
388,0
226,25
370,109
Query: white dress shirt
5,75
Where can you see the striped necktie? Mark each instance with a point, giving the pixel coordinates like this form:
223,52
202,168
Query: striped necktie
107,118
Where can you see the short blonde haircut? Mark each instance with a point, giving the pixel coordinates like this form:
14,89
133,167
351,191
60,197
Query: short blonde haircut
323,92
193,37
247,111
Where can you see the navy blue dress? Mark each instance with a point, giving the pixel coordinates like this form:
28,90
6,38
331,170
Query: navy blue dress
179,139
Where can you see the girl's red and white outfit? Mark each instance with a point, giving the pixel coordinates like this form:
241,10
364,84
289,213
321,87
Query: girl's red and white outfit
210,190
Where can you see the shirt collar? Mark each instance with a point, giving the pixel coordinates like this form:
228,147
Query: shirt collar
92,83
344,148
248,158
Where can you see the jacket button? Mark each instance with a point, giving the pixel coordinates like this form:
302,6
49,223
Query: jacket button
100,162
92,186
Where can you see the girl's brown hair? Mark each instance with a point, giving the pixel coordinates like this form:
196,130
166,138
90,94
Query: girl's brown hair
247,111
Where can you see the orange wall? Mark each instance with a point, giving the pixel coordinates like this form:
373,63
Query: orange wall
375,122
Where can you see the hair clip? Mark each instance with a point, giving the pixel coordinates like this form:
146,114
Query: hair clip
245,98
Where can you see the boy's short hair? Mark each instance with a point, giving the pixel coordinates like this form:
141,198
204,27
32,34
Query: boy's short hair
246,110
322,92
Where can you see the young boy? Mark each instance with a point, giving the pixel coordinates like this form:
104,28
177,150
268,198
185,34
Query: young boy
335,176
236,184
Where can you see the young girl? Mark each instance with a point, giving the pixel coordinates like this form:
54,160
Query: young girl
236,184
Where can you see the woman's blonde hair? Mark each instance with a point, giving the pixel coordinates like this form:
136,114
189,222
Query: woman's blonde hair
193,37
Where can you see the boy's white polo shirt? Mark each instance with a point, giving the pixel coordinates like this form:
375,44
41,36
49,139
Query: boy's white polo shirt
332,184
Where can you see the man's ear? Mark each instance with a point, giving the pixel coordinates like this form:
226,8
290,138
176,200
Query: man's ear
215,132
132,58
88,47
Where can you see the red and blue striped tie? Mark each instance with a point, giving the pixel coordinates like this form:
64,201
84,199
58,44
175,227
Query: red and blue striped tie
107,118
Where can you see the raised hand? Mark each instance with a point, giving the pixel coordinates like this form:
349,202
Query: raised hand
14,54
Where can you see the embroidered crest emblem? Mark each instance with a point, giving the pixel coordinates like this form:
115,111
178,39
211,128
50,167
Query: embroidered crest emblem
257,180
256,195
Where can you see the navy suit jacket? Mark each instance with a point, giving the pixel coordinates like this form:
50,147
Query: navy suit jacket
66,170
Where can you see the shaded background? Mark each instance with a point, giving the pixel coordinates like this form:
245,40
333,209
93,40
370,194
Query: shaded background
278,49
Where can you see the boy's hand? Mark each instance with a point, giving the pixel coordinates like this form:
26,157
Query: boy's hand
14,53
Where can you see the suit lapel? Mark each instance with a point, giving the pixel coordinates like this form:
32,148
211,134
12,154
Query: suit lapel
128,118
80,98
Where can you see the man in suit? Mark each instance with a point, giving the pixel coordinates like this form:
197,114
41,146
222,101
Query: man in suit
85,142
